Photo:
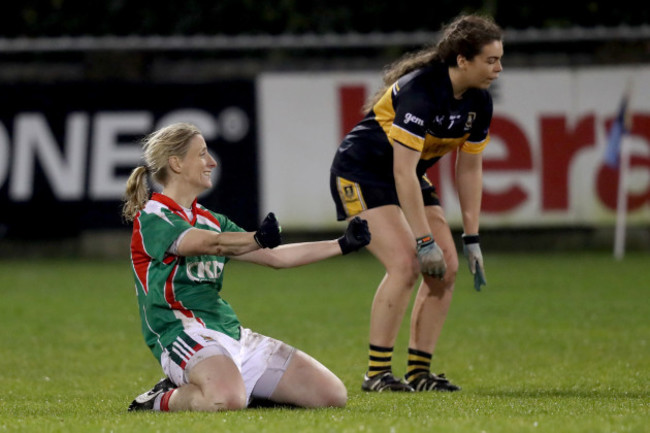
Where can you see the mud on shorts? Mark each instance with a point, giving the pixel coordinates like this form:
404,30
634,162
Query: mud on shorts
261,360
351,197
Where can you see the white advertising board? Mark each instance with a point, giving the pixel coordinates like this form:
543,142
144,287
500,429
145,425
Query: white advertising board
543,167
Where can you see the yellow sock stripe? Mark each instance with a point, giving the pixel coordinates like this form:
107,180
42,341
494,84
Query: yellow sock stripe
411,368
412,357
380,354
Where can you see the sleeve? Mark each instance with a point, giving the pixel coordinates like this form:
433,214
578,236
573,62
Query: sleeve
479,136
160,230
411,111
227,225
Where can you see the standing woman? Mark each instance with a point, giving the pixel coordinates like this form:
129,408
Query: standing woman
434,102
178,251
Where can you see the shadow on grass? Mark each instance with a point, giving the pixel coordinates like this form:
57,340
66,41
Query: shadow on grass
260,403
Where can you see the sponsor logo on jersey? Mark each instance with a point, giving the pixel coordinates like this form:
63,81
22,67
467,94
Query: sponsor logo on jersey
201,271
408,118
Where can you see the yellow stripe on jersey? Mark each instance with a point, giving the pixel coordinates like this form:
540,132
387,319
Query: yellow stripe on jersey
430,146
435,147
384,112
351,196
406,138
475,148
385,116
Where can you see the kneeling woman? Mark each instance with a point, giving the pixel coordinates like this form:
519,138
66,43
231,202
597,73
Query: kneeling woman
178,251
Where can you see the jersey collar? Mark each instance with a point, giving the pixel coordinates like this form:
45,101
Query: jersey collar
175,207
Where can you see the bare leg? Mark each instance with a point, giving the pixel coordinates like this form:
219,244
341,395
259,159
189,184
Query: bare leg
308,383
434,295
215,385
394,246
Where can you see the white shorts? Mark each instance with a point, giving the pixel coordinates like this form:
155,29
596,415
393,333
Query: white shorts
261,360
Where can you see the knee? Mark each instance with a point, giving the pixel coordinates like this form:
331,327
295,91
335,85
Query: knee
452,270
335,395
406,268
339,396
452,266
234,402
224,400
440,287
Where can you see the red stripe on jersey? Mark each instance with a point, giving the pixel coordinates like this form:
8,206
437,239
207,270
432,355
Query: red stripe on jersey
141,259
207,215
174,303
175,207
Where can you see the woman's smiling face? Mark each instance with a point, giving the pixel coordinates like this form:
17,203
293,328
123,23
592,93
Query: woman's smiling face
197,164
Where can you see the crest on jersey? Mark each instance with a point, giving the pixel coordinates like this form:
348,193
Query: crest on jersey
470,120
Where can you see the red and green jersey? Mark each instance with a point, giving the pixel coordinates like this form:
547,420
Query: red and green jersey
177,293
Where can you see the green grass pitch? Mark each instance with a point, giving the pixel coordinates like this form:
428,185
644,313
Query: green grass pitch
555,343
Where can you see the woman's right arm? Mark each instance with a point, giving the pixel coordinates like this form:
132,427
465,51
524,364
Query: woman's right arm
409,192
197,242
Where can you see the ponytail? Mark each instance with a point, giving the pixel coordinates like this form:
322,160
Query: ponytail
136,194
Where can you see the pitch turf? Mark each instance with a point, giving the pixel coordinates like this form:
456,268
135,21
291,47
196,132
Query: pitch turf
555,343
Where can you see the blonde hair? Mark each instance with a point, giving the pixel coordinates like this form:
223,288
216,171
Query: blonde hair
465,36
159,146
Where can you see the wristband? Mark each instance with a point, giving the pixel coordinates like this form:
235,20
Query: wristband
470,239
424,240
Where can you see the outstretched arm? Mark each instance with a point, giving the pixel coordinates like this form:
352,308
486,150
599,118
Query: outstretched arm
197,241
292,255
355,237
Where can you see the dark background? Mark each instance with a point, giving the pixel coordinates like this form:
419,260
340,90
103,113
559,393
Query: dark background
42,216
571,33
190,17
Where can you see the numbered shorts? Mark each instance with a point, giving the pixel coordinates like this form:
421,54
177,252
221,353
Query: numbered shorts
351,198
261,360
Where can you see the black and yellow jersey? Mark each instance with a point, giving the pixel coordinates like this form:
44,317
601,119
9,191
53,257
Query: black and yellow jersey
419,111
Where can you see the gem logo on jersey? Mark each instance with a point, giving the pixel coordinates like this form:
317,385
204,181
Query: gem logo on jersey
408,118
203,271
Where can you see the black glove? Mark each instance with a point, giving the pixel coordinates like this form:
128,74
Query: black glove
268,235
356,236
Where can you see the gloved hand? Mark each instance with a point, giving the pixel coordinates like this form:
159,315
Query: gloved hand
268,235
430,256
472,251
356,236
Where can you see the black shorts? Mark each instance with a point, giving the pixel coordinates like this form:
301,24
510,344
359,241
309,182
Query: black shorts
351,197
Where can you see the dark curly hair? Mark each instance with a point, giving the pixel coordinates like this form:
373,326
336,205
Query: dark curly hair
466,36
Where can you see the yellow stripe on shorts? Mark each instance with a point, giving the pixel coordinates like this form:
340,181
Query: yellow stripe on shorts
351,196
